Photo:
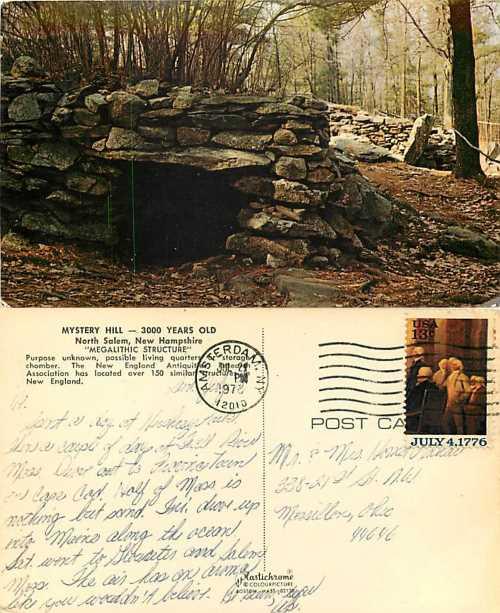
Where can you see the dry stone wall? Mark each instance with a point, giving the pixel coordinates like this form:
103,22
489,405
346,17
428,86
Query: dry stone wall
393,134
65,156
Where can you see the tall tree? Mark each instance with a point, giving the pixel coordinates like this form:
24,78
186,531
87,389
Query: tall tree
468,162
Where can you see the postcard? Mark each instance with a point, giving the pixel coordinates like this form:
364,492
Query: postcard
192,156
250,461
243,153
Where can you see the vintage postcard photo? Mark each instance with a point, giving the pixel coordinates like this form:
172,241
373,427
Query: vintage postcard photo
250,153
204,460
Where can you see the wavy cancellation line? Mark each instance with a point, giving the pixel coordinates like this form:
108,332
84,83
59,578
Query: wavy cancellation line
362,357
398,370
363,412
375,404
345,343
361,391
383,381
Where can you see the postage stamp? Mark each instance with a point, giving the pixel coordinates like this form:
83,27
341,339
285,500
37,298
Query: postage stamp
232,376
447,368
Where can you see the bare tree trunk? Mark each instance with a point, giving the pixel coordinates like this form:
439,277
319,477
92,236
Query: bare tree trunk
468,162
447,97
404,51
278,59
419,84
116,37
436,94
331,67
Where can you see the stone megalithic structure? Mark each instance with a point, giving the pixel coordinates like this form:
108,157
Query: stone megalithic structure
417,142
161,173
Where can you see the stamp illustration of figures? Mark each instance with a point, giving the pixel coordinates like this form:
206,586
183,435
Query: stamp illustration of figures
446,376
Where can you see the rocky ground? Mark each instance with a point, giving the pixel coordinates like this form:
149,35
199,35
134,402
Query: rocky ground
416,268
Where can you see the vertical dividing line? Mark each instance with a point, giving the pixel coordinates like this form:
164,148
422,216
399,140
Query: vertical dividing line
264,459
132,202
109,205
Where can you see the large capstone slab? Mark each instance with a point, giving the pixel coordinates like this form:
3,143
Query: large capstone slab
163,172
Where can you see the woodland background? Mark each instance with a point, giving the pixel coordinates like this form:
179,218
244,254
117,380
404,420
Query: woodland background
398,57
390,55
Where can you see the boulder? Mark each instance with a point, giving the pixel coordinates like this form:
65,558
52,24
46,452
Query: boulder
119,138
318,261
26,66
87,184
283,190
279,108
15,242
58,155
45,224
192,136
254,185
146,89
85,117
9,181
125,108
298,246
297,193
318,105
302,150
63,197
225,121
24,108
465,241
163,134
298,125
419,137
61,115
247,141
291,168
311,225
99,145
94,102
303,289
198,157
76,97
371,212
360,149
184,101
78,133
259,247
342,226
285,137
321,174
160,116
163,102
22,154
285,212
242,99
100,167
48,101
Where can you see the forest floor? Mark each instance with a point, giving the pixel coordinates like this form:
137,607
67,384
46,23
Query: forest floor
407,270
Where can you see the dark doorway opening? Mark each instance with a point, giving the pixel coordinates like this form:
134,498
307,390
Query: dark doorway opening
174,214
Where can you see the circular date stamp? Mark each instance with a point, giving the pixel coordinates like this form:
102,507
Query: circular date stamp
231,377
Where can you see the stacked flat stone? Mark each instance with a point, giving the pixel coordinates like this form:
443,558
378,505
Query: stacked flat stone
49,187
393,133
62,151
